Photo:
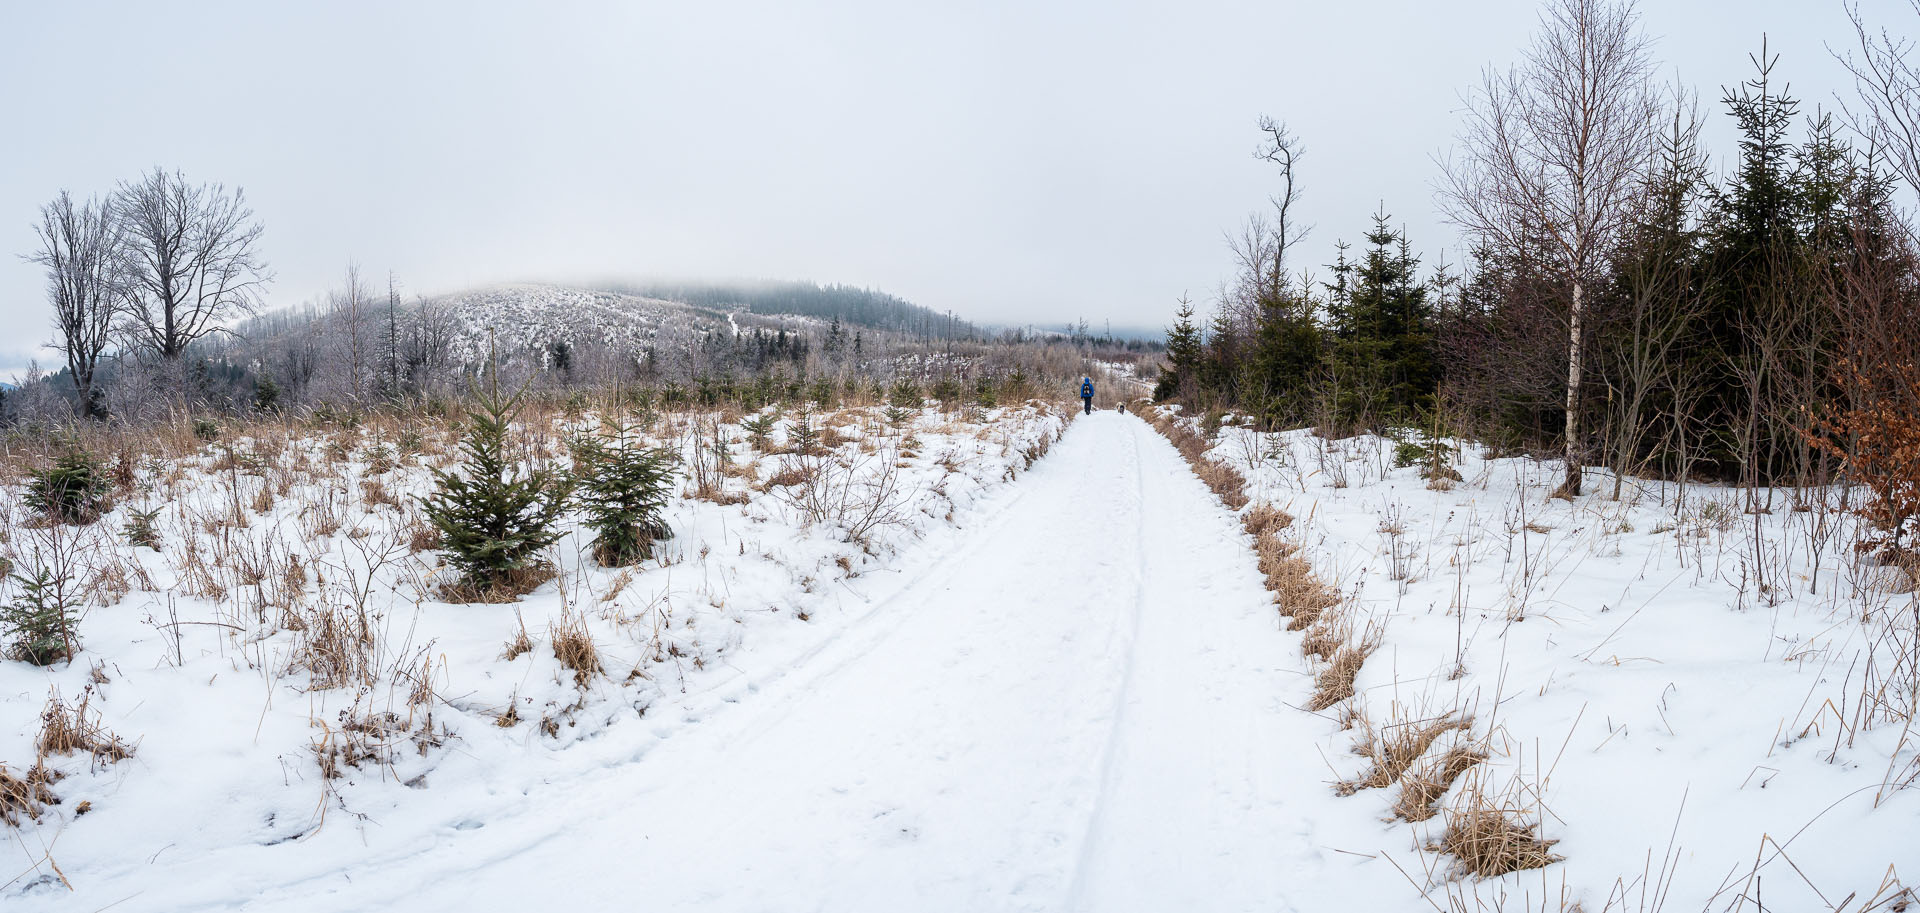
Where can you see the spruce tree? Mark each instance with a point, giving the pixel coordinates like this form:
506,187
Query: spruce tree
1382,346
623,489
494,515
1183,357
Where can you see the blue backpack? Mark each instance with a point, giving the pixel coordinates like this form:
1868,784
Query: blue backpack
1086,389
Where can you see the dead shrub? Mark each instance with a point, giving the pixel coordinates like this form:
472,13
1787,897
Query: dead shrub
1491,836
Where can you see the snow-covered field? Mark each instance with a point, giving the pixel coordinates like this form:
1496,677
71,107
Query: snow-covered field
1059,684
289,625
1704,706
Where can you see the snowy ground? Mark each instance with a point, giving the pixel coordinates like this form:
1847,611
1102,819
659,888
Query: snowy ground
1707,707
211,656
1064,691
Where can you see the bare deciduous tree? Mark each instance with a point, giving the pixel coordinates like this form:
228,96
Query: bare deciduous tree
349,310
81,251
1887,113
1555,149
194,259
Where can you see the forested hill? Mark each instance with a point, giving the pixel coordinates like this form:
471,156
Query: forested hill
861,306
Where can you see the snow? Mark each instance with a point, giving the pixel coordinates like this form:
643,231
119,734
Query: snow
1062,688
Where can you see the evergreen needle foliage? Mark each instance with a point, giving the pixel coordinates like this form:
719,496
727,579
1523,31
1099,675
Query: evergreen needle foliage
623,488
39,622
759,429
74,489
494,515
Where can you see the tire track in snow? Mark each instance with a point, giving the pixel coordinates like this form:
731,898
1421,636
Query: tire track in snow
1091,837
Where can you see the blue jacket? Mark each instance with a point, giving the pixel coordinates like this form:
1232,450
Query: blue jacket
1086,388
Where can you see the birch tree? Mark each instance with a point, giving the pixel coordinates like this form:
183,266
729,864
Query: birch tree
1553,152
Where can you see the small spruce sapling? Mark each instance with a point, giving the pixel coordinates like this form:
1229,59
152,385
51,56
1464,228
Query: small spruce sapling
494,515
74,489
39,622
623,489
759,429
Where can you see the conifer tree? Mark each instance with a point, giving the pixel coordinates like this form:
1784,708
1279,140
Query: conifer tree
1183,356
623,489
1382,346
494,515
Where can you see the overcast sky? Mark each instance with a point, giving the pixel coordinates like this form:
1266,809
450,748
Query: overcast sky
1015,162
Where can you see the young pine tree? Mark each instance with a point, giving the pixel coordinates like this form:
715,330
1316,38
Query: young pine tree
494,515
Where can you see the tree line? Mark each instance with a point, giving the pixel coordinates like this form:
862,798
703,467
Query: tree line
1622,306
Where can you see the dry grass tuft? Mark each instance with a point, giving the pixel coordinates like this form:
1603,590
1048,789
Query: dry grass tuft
1492,837
23,798
1334,682
520,644
573,646
336,645
1423,785
1394,747
1300,595
1263,518
506,589
68,730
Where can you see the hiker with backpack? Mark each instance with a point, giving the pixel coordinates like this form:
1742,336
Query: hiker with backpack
1086,393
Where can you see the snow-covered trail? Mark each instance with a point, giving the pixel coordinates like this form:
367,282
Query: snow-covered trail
1079,710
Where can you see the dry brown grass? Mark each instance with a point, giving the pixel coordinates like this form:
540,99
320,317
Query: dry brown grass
1491,836
791,473
1427,781
68,730
502,590
1334,682
1300,595
1263,518
573,646
23,798
1394,747
336,646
